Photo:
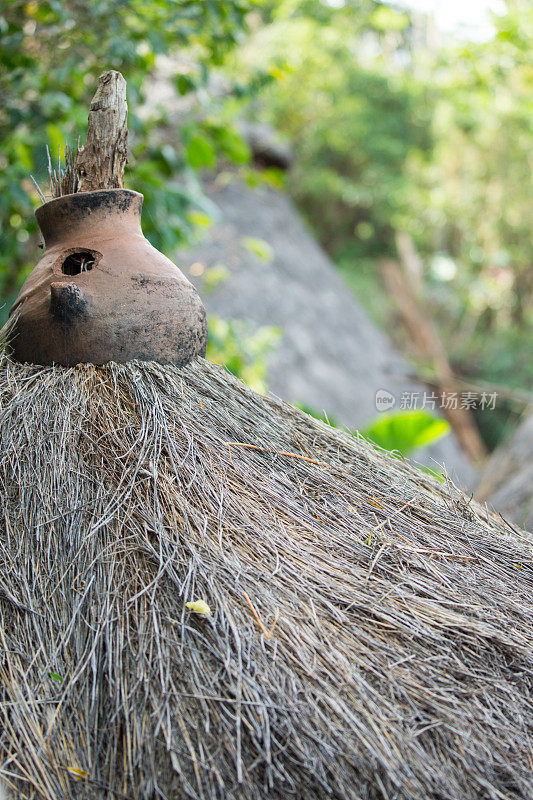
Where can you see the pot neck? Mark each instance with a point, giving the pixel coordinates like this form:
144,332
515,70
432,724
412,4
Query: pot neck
100,214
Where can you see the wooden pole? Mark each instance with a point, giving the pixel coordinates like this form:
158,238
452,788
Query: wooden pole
100,164
428,347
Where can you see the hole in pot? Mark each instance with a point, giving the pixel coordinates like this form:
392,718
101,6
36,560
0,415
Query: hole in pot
74,263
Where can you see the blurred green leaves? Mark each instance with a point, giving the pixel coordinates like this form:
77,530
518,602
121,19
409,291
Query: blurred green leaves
200,152
258,247
387,19
241,349
354,118
406,431
51,54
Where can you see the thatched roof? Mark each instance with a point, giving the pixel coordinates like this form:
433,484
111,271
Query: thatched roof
331,356
507,479
370,634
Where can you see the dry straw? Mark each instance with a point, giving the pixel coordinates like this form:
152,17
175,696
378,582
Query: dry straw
365,631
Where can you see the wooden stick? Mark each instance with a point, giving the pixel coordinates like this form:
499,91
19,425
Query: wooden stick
100,164
278,453
428,347
257,617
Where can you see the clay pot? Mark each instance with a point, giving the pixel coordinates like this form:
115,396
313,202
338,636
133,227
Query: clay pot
101,292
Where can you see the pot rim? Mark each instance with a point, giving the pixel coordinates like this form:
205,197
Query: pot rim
82,209
85,195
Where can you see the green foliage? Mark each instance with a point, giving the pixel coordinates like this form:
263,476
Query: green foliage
258,247
241,350
406,432
473,203
355,119
387,19
214,276
51,54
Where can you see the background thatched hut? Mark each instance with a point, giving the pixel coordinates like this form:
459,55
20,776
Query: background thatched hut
507,479
331,356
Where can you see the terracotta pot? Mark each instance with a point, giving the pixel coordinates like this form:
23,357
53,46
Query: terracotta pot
101,292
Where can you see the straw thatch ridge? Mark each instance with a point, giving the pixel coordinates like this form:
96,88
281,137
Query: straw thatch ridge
370,634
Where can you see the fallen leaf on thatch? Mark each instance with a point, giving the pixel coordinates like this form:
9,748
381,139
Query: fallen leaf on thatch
77,773
375,502
199,607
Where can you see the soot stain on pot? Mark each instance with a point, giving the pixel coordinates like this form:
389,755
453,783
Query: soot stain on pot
68,303
101,200
148,283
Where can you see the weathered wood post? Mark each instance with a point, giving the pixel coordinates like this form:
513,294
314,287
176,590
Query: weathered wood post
100,164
